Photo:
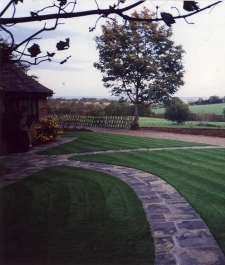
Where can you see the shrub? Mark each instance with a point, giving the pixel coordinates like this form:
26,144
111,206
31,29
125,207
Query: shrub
206,116
47,131
176,110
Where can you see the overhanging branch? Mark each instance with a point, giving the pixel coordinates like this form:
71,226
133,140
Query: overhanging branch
105,12
160,19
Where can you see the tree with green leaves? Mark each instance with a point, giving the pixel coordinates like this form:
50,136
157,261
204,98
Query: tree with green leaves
139,61
177,111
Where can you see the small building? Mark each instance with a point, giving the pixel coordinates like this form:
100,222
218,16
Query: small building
23,101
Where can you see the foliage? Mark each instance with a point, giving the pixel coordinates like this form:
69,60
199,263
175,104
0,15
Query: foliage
139,61
47,131
117,109
67,215
177,110
94,107
4,44
97,111
210,100
204,117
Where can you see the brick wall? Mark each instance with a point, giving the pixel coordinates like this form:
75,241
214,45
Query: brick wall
42,109
42,115
2,104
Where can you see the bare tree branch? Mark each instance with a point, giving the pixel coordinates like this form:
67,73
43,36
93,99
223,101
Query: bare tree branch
25,61
11,35
5,9
37,33
177,17
63,12
105,12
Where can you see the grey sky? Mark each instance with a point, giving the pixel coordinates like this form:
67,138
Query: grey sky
204,43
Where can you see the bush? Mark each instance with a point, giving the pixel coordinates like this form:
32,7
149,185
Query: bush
47,131
177,111
206,116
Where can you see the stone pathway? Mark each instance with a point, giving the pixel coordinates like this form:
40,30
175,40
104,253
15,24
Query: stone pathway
181,237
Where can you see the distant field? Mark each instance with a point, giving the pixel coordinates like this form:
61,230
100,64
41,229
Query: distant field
156,122
216,108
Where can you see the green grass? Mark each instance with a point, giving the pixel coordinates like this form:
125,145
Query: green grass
197,174
65,215
90,141
215,108
156,122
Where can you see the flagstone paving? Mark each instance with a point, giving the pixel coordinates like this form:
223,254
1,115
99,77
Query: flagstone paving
181,237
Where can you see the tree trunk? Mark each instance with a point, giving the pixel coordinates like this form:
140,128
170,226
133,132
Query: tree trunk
136,113
135,124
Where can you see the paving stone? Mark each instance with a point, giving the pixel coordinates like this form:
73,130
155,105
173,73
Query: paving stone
151,198
191,225
195,239
163,229
172,197
200,256
181,216
183,208
158,208
164,244
156,218
165,259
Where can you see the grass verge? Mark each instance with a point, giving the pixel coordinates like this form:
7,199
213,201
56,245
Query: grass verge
157,122
197,174
211,108
66,215
91,141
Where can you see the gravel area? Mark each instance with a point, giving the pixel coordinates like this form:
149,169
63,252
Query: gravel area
163,135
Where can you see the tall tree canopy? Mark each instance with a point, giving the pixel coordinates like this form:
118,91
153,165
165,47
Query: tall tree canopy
139,61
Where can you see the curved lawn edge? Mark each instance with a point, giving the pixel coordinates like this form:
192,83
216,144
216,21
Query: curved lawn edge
197,174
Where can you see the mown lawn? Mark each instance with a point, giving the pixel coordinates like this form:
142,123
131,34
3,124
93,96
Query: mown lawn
199,175
156,122
65,215
91,141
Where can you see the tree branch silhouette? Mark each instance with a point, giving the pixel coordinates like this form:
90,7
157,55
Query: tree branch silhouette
64,11
105,12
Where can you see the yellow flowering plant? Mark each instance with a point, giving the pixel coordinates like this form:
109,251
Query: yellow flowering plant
48,131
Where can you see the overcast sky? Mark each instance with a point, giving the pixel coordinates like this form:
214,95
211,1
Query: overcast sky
204,43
